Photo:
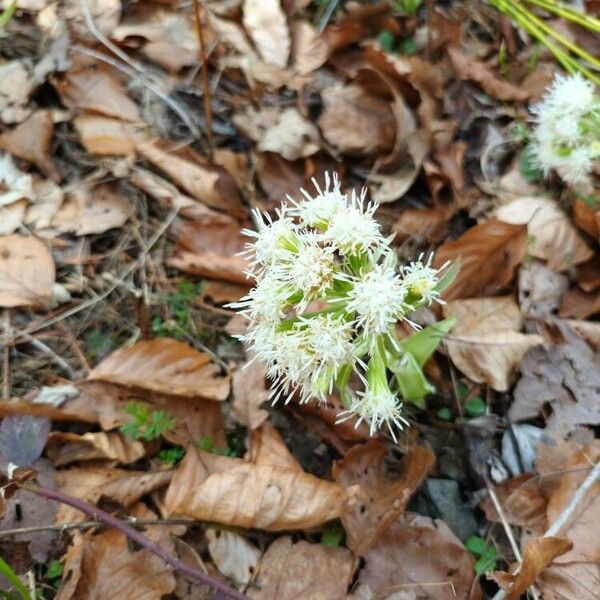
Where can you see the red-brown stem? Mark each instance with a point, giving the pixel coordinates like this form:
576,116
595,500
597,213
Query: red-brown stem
205,79
97,513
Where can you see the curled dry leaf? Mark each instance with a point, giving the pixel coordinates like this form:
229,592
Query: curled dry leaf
93,483
419,555
166,366
210,247
234,555
374,499
470,69
486,344
65,448
488,254
267,447
96,90
538,554
554,238
289,570
233,492
103,566
309,49
30,141
27,272
267,26
250,393
210,184
93,209
356,122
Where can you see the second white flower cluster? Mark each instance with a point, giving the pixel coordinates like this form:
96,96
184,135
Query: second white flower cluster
328,295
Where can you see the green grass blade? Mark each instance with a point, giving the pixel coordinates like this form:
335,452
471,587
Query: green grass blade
14,580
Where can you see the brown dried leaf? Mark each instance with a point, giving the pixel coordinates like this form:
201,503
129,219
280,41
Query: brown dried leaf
250,393
267,26
234,555
234,492
421,224
102,566
26,272
522,501
210,184
267,447
488,254
578,304
289,571
166,366
93,209
554,238
538,554
470,69
420,555
309,49
485,343
210,247
587,218
93,483
97,90
570,581
105,136
374,499
356,122
65,448
30,141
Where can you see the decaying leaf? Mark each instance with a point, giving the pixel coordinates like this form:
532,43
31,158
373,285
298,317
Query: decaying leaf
166,366
234,555
486,344
553,237
210,247
65,448
291,135
568,581
419,224
374,498
16,85
541,290
290,570
250,393
488,254
267,447
26,271
267,26
22,439
103,566
419,555
233,492
538,554
578,304
105,135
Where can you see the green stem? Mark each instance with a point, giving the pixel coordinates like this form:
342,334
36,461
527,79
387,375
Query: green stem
566,12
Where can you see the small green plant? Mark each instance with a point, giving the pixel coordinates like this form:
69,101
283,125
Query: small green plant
486,556
475,407
99,343
528,165
207,444
407,8
180,305
14,580
54,573
7,14
147,424
172,455
444,414
333,534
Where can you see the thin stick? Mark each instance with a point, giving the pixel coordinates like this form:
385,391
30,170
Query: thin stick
44,349
6,356
566,514
97,513
205,79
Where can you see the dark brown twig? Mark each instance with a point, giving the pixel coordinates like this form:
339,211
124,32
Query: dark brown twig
205,78
97,513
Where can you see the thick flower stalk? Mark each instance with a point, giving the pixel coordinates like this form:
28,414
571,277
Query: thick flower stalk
567,132
327,299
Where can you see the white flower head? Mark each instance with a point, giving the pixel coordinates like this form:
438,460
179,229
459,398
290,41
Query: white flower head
354,230
15,184
421,280
567,95
317,211
377,299
267,301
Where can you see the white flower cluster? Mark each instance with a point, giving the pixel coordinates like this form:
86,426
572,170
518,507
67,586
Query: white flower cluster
327,297
567,132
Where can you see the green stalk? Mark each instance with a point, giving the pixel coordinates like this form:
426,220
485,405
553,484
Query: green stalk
566,12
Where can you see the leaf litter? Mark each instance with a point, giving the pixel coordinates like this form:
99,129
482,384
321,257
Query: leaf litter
120,230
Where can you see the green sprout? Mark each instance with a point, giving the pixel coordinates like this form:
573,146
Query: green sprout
147,424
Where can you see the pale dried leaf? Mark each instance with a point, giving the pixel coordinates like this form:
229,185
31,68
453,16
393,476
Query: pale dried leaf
234,555
105,136
26,272
48,198
374,498
234,492
485,343
309,49
541,290
289,570
12,216
14,184
570,581
250,393
267,26
488,254
15,84
166,366
105,15
267,447
292,136
93,209
22,439
554,238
